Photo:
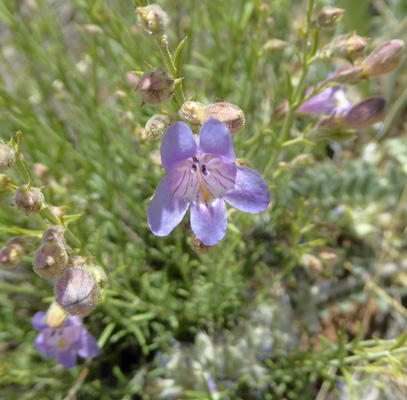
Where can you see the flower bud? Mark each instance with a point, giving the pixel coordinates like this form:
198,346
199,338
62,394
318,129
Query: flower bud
350,47
77,291
199,247
78,261
157,125
366,113
312,265
132,80
92,29
347,74
329,17
55,233
51,259
192,112
152,20
13,251
232,116
7,156
55,316
275,45
281,111
384,58
98,273
332,128
28,199
156,86
4,180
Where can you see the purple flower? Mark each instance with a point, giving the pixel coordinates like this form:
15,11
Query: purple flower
202,174
331,101
66,342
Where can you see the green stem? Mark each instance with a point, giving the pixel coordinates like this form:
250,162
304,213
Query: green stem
165,53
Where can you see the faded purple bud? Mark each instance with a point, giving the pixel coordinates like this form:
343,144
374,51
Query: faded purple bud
132,80
157,125
28,199
51,259
312,265
366,113
350,47
348,74
232,116
281,111
384,58
42,172
275,45
7,156
199,247
192,112
156,86
152,20
77,291
55,232
329,17
14,250
332,127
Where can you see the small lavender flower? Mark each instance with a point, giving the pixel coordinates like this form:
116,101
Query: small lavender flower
66,342
331,101
202,174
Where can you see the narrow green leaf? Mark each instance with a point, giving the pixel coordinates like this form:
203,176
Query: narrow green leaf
21,231
178,54
71,218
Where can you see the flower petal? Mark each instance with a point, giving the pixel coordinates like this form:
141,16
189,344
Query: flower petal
67,358
37,321
165,212
41,344
178,144
209,221
89,345
251,194
326,102
215,138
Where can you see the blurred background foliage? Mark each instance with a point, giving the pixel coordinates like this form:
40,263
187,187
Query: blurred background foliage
63,67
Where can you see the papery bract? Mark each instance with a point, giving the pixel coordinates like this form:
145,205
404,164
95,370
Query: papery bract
202,174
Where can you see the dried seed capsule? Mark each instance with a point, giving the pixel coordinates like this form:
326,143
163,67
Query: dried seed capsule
77,291
384,58
156,86
232,116
152,20
351,46
366,113
329,17
157,125
192,112
28,199
51,259
55,232
13,251
7,156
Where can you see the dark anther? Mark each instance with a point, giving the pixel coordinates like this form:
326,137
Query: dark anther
194,169
204,170
195,159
